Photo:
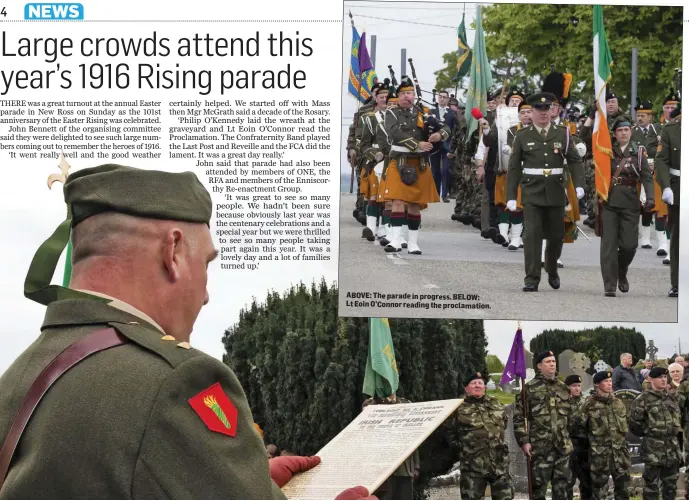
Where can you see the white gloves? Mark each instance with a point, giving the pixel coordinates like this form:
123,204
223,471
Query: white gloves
581,149
668,196
511,205
506,150
580,193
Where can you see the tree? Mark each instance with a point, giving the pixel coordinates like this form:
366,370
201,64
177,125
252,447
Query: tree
536,36
494,364
302,368
601,343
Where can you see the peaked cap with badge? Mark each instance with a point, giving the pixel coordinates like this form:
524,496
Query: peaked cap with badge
143,415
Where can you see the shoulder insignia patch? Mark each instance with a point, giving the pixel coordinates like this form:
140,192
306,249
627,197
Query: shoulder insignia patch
660,147
216,410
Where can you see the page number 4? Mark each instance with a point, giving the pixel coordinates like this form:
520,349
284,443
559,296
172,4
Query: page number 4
3,12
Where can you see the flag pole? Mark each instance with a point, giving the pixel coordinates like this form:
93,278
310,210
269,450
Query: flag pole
529,475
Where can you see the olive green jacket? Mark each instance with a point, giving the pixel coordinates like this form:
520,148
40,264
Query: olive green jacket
531,150
649,139
623,196
669,156
119,424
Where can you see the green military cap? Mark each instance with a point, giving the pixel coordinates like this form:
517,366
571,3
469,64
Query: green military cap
115,188
671,98
621,121
472,376
643,106
572,379
601,376
541,100
657,372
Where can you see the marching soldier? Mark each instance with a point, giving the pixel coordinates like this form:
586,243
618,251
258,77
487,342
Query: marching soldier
603,420
620,217
476,430
355,157
668,171
579,461
372,154
537,164
408,178
545,438
655,416
646,133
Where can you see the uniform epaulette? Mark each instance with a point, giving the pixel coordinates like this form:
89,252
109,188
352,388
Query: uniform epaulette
166,347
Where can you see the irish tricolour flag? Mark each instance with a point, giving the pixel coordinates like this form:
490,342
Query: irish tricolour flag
602,145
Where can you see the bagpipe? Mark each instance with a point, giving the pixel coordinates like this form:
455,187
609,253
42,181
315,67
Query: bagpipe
431,123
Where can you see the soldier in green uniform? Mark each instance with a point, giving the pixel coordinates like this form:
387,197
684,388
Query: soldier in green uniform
668,163
647,133
682,396
476,431
612,108
603,420
544,434
579,461
655,416
620,234
356,158
537,164
131,410
400,485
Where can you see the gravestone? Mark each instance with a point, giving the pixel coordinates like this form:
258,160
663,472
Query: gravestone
490,385
601,366
517,459
570,363
633,442
528,361
651,350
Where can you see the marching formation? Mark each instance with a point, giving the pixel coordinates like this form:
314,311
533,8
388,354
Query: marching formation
524,177
566,436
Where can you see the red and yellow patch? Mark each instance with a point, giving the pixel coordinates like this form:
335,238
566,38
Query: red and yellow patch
216,410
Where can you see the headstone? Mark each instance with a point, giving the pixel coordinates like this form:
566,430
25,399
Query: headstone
601,366
530,374
633,442
651,350
528,361
517,459
490,385
576,363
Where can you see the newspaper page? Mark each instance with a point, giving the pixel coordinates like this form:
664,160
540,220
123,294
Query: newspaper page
241,94
370,449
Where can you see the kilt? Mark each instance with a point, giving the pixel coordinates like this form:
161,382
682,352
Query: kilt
422,192
660,208
572,215
501,192
368,184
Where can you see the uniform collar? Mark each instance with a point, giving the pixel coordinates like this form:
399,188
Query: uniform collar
539,129
69,312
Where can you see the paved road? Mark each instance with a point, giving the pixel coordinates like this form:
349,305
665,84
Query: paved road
456,260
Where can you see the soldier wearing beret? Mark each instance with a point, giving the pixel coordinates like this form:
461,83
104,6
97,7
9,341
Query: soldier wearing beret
355,157
647,133
476,431
682,396
544,434
580,443
621,210
537,164
668,164
603,419
136,411
612,108
655,416
408,178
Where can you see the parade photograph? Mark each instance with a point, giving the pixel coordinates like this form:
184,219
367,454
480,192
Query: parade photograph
501,159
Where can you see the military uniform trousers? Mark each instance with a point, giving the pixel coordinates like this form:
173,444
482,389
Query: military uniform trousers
472,485
542,222
579,463
602,468
618,243
660,480
673,222
422,191
549,464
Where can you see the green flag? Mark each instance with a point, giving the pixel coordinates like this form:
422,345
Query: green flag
481,79
381,378
68,265
464,54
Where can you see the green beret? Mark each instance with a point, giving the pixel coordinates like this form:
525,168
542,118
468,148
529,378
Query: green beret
572,379
657,372
601,376
472,376
137,192
115,188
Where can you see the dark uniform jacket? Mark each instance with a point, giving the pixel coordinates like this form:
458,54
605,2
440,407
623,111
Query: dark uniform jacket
623,192
669,156
532,151
648,138
404,128
119,424
476,431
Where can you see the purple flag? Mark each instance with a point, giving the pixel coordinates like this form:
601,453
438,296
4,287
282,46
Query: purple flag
516,363
364,59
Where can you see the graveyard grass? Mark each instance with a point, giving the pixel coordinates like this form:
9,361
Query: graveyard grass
504,398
